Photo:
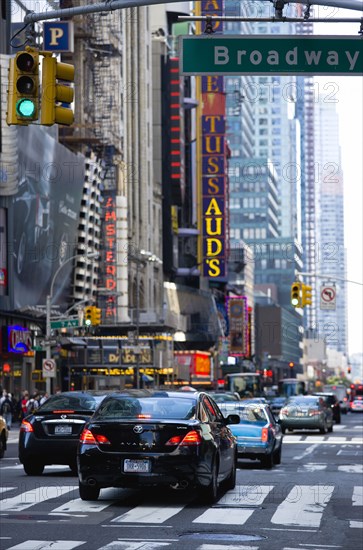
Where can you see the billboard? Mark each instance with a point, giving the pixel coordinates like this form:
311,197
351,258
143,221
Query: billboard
238,325
45,213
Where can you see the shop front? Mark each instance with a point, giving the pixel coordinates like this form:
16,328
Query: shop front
17,359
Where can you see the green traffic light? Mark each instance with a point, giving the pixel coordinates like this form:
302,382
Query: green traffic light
88,322
25,108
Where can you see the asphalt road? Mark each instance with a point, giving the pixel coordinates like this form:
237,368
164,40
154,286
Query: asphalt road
313,500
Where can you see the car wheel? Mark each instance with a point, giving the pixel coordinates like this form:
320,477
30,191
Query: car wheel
230,482
283,430
331,428
2,448
33,468
277,456
88,493
210,493
267,461
73,467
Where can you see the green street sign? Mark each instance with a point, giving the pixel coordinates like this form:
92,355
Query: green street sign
264,55
64,323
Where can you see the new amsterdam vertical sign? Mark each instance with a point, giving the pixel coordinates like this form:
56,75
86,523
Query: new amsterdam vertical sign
261,55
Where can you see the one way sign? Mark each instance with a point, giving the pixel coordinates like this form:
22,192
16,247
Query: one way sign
328,297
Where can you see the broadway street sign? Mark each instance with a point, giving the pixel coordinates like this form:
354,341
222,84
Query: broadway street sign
64,323
262,55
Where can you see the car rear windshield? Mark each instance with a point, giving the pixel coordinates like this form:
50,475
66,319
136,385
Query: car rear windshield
252,413
224,397
151,407
303,401
76,403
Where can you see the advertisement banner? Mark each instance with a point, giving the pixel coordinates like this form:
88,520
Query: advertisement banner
45,214
238,325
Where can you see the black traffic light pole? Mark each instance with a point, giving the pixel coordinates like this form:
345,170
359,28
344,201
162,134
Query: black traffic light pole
32,17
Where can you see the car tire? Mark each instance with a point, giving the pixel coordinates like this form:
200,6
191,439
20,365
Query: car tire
230,482
324,429
330,429
33,468
88,493
267,461
283,430
210,493
73,467
277,455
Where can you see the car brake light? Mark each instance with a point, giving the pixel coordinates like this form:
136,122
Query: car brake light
63,411
314,413
26,427
87,438
144,416
285,412
191,438
264,435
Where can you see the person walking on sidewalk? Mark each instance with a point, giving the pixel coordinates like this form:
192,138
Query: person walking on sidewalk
7,410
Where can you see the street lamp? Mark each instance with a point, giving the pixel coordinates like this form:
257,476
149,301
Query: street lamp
141,258
48,354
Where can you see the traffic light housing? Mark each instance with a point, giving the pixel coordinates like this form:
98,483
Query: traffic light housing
96,316
88,315
23,88
306,296
296,294
54,93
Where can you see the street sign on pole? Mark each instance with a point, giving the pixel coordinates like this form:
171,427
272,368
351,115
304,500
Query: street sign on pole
328,296
278,55
49,368
64,323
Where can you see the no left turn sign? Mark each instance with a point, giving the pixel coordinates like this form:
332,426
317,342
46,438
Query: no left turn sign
49,368
328,297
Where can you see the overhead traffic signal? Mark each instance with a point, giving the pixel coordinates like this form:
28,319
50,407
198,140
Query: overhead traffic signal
96,316
306,296
23,88
54,93
88,315
296,294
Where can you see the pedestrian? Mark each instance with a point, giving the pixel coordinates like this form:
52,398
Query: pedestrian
32,404
43,399
24,402
7,410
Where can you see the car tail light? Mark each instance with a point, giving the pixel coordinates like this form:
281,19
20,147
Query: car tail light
102,439
191,438
264,435
87,438
314,413
285,411
26,427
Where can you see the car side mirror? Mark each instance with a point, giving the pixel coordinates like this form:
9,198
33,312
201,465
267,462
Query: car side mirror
233,419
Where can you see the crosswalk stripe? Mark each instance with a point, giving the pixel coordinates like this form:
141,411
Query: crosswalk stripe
5,489
229,547
134,545
242,495
148,514
36,496
303,506
358,496
48,545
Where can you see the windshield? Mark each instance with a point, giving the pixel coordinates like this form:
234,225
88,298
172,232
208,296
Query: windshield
303,401
74,403
254,414
224,397
151,407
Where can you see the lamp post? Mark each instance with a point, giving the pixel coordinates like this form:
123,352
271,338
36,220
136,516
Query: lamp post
48,354
142,257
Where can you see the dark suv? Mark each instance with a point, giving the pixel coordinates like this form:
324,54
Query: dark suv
332,402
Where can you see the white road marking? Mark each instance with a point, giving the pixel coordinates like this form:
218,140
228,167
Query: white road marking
48,545
357,496
78,505
303,506
134,545
351,468
242,495
356,524
229,547
312,467
5,489
148,514
38,495
307,452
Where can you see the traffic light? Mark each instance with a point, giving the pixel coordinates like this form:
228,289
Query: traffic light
96,316
23,88
88,315
54,93
296,294
306,297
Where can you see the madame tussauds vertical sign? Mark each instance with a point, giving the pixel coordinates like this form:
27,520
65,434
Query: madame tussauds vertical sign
214,164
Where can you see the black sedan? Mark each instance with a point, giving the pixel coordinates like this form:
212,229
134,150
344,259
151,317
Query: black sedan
50,435
143,438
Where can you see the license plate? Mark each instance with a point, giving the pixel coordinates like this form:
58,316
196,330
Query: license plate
137,466
63,430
